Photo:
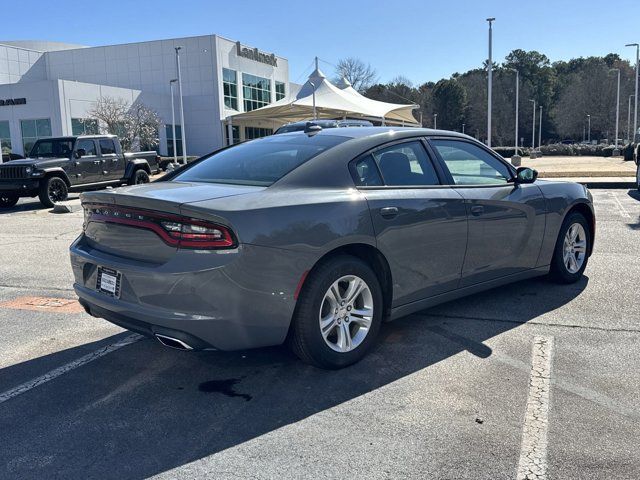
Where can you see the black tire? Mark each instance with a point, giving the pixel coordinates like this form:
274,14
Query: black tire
139,176
53,190
638,177
305,337
8,200
559,272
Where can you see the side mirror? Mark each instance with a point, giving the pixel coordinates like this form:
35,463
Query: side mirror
526,175
79,153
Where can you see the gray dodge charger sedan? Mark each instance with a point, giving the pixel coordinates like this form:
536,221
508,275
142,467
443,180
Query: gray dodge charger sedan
315,238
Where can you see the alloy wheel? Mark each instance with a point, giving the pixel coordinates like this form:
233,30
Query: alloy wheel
346,313
57,190
574,249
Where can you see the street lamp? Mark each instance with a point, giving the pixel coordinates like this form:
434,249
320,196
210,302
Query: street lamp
515,160
490,82
589,128
629,119
173,123
533,131
463,128
435,121
540,132
616,151
182,129
635,109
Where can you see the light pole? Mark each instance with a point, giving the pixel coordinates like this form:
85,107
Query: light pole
533,131
489,82
173,124
540,132
616,151
589,128
515,160
629,119
182,136
435,121
635,108
463,128
314,100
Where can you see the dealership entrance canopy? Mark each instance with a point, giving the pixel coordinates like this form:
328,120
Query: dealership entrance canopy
331,101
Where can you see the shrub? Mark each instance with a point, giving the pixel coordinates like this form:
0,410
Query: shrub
508,152
560,149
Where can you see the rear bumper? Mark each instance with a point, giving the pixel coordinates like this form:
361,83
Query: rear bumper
237,300
21,186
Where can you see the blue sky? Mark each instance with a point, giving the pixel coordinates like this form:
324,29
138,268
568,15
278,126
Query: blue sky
422,40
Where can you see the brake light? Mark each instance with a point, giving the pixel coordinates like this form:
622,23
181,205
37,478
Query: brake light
175,230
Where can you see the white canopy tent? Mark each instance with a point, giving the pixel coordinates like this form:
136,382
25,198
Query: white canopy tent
330,102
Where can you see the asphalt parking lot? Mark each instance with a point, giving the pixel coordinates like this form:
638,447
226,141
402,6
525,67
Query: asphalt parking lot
532,380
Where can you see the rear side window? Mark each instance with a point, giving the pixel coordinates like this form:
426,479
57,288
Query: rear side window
365,172
406,164
107,146
259,162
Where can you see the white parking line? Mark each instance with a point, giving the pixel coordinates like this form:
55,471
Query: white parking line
90,357
533,452
623,211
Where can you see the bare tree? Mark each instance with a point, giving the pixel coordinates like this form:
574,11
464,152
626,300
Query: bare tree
360,75
136,125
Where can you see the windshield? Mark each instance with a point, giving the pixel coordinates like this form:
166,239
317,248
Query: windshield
259,162
55,147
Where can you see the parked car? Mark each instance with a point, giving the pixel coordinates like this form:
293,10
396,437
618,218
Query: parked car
301,126
315,239
59,165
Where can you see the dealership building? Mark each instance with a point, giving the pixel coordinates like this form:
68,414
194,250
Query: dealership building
48,88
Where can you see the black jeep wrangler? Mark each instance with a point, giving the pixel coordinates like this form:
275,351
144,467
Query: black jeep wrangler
57,166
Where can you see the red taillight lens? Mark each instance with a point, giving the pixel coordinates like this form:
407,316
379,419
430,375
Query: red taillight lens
174,230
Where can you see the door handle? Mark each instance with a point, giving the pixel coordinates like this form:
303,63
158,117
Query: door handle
389,212
477,210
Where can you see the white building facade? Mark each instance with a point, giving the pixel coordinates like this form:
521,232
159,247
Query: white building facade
48,89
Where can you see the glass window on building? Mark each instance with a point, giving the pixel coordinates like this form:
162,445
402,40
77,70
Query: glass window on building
230,86
5,138
84,126
256,132
280,91
32,130
256,91
178,142
236,134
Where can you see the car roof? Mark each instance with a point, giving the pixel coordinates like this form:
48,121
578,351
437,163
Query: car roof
370,131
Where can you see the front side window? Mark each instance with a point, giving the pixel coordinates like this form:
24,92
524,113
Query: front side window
56,148
107,147
89,147
470,164
230,87
406,164
32,130
261,162
280,90
256,91
5,138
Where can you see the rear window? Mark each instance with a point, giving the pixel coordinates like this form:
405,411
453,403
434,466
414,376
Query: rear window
259,162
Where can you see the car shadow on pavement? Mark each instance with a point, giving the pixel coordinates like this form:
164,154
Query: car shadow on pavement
144,409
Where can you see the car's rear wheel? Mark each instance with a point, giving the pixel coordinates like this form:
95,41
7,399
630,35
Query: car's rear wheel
572,249
139,177
8,200
53,190
338,315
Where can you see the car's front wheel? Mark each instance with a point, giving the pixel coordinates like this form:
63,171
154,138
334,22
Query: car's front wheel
53,190
8,200
572,249
338,315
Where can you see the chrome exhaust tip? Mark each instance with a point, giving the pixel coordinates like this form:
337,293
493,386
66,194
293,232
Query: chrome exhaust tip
172,342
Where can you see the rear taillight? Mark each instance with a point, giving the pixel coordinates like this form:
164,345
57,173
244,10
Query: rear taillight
174,230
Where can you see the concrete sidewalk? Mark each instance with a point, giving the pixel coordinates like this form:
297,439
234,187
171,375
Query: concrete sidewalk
582,167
